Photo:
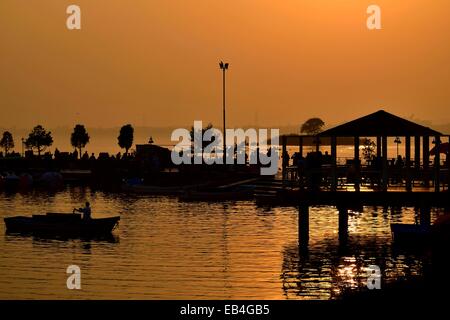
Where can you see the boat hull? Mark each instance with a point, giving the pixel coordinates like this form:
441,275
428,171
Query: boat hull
410,233
61,224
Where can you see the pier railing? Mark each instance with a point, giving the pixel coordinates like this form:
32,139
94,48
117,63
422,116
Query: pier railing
369,177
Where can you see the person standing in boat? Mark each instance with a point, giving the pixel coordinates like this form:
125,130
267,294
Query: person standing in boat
86,211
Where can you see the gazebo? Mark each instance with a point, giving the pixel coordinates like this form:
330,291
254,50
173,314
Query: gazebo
382,125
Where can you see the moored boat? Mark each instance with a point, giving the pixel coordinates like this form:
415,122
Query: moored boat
62,224
410,233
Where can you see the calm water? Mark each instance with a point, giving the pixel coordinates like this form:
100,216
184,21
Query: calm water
165,249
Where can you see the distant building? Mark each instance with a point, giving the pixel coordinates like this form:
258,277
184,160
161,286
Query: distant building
157,156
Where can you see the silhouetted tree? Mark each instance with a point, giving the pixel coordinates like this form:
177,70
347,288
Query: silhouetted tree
79,138
368,149
312,126
125,138
39,139
204,143
7,142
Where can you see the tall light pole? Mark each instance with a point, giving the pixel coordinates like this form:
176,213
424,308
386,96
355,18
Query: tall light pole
397,141
224,67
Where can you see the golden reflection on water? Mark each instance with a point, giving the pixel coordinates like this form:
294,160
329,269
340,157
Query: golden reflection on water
165,249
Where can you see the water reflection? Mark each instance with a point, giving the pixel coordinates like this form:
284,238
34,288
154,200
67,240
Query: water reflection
330,267
323,274
109,238
170,249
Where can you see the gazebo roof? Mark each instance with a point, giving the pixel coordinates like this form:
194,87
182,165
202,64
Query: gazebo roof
380,123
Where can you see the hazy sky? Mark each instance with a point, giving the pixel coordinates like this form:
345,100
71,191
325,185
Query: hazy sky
155,62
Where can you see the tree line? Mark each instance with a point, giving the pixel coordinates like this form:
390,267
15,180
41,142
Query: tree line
39,139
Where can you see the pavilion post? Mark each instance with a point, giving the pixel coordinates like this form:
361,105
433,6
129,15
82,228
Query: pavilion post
426,160
357,165
384,164
408,163
425,214
301,146
437,164
300,170
283,157
447,161
417,153
379,147
333,164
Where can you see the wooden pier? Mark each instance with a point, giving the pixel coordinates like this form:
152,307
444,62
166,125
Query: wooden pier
402,182
345,201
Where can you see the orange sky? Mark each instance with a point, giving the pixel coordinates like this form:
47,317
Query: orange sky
155,62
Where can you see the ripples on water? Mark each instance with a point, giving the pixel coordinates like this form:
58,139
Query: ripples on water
165,249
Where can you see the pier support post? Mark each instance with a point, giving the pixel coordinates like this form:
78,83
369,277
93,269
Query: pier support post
303,225
343,224
408,163
384,164
333,164
426,160
425,215
437,164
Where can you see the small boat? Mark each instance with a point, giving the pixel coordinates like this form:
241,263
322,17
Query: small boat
11,181
410,233
64,224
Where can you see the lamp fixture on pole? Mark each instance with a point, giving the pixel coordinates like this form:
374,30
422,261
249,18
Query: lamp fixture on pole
224,67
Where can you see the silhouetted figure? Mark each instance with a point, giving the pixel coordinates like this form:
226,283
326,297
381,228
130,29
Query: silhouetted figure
299,161
286,159
352,173
92,157
392,162
399,163
57,153
86,211
326,158
313,165
85,156
377,163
